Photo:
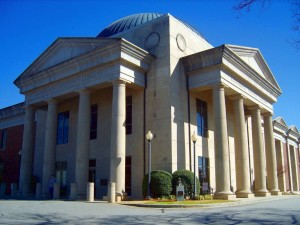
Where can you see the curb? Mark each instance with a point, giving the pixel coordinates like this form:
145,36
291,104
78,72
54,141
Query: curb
238,202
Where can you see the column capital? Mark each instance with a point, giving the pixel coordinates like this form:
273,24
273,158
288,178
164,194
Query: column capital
51,100
254,107
267,114
118,82
84,91
236,97
219,85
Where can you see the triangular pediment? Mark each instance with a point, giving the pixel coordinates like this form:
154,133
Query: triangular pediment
294,128
281,121
255,60
62,50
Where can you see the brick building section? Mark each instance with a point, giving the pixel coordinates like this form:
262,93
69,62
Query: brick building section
10,156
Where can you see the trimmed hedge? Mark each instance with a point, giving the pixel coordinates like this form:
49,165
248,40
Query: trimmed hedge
160,184
187,180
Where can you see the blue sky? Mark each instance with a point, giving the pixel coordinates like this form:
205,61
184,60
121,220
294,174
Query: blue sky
29,27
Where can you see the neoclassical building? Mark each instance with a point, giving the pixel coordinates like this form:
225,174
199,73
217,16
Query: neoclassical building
89,103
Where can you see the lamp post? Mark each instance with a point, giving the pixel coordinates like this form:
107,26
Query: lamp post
149,137
194,139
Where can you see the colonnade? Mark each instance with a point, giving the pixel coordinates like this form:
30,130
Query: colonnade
118,136
261,161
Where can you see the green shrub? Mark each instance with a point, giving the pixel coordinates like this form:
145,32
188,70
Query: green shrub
160,184
187,180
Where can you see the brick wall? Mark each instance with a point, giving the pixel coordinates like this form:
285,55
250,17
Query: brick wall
10,157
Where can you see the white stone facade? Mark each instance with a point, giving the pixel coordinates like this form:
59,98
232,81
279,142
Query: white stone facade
166,67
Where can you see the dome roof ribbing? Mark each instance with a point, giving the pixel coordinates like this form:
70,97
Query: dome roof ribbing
127,23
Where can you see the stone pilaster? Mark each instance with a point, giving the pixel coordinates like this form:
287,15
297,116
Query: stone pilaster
221,145
50,145
83,143
270,155
241,149
258,152
118,136
27,151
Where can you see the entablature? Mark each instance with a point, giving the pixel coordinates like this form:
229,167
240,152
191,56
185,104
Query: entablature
222,65
118,60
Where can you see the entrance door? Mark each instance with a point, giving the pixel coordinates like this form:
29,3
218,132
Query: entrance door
203,174
92,173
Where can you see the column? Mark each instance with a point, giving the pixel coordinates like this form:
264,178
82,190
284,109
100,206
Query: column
241,149
294,169
290,174
221,145
27,151
281,167
272,179
50,145
258,152
118,136
83,143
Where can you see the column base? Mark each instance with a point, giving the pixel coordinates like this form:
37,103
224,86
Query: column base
244,195
262,194
278,193
225,196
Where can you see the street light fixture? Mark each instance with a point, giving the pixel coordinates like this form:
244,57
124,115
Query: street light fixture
149,137
194,139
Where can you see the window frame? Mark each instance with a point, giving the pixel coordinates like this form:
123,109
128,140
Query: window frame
3,141
201,118
63,124
128,120
94,122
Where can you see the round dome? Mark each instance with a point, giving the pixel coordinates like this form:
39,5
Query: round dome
127,23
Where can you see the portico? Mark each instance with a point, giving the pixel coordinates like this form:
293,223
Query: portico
77,78
229,77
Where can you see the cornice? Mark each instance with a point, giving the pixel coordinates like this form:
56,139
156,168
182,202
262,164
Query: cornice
280,126
91,59
247,69
13,110
218,56
247,51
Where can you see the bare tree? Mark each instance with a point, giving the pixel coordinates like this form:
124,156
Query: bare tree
247,5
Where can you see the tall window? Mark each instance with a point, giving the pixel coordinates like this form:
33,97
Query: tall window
203,174
128,175
92,170
63,128
94,119
202,118
3,140
129,115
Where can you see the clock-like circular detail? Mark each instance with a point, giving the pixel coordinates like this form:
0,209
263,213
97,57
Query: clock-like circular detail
181,42
152,41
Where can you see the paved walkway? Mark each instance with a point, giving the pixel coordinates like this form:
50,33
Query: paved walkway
281,209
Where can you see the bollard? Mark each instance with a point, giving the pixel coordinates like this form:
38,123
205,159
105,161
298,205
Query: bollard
56,191
90,192
111,192
38,191
2,189
73,192
13,189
